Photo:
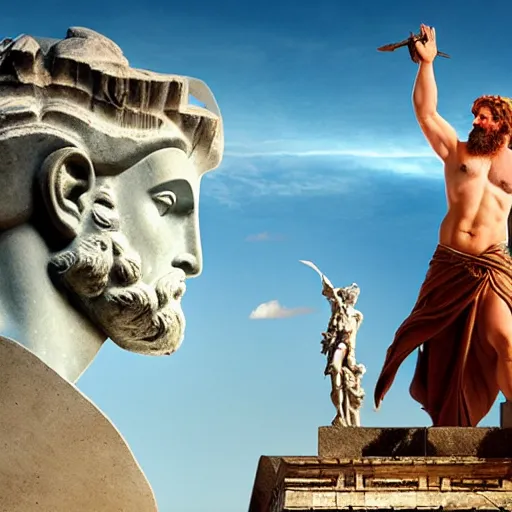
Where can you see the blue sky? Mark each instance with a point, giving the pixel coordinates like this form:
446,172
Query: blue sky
324,161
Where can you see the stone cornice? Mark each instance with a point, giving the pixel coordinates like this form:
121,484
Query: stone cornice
315,483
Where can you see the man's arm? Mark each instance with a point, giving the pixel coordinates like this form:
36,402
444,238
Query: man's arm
439,133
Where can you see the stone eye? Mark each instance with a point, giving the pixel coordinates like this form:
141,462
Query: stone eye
106,201
164,201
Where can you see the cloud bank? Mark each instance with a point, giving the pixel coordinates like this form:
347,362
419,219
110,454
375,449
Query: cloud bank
273,309
351,153
295,168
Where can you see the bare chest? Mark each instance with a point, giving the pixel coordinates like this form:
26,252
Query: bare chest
480,171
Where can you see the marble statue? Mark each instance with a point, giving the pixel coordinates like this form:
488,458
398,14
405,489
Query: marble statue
339,345
100,173
99,182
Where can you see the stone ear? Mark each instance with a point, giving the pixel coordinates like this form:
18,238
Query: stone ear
67,180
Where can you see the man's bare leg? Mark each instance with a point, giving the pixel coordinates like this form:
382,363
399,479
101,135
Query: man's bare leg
497,329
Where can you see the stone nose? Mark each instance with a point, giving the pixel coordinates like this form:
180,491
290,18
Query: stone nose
189,263
188,251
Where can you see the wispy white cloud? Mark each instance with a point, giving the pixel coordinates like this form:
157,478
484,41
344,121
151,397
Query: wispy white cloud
265,236
273,309
408,158
281,168
352,153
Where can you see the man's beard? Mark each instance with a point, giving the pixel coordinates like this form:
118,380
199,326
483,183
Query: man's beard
106,280
482,142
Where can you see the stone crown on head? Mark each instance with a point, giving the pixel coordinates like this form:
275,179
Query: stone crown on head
83,86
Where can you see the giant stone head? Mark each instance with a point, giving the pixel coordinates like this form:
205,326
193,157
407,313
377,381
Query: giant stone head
100,172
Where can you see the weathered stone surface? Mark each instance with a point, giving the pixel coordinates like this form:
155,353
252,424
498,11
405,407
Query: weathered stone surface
409,483
266,478
506,415
58,452
419,442
370,442
469,442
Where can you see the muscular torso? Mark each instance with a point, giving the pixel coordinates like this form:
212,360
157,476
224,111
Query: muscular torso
479,194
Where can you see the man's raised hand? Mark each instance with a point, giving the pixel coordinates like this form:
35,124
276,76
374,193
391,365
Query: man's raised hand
427,50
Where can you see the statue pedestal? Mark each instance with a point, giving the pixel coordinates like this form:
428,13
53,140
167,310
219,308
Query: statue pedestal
360,468
506,414
357,442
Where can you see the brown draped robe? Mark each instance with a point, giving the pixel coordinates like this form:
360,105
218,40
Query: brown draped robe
455,377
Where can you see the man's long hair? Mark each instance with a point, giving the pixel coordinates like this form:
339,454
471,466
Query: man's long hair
501,110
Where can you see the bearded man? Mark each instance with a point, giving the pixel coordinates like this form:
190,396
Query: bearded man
462,320
99,188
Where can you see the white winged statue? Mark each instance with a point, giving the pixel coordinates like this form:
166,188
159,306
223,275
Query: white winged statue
339,344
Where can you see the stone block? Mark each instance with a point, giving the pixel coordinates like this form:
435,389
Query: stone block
506,414
482,442
356,442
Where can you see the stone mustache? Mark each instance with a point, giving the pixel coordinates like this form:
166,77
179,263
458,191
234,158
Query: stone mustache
99,188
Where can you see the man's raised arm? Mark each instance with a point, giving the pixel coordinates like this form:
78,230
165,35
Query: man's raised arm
439,133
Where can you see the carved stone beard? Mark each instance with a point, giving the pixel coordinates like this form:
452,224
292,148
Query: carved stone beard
105,276
482,142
